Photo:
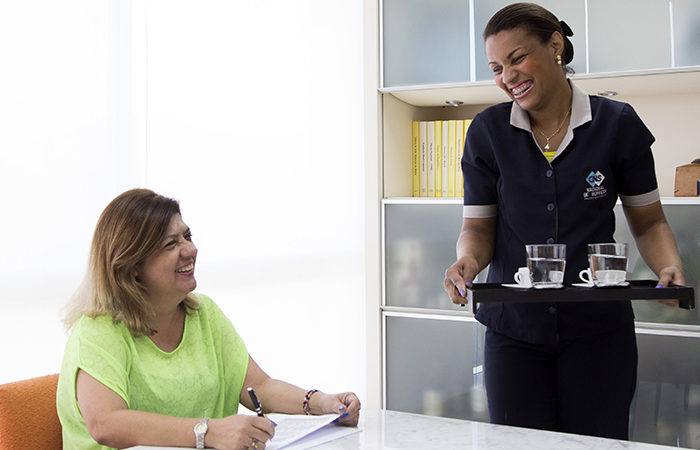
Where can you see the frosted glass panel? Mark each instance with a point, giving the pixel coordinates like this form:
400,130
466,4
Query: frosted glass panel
629,35
666,406
684,221
434,367
425,42
570,11
686,32
420,245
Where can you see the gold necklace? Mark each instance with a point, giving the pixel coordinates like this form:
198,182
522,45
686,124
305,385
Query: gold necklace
546,145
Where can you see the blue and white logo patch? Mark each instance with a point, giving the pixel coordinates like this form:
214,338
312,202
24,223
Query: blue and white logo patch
596,189
595,178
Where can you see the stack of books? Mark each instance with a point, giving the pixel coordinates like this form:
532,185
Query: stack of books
437,155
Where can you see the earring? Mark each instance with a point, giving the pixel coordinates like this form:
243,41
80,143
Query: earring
559,59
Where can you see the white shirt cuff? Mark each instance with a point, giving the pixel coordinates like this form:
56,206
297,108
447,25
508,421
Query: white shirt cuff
479,211
642,199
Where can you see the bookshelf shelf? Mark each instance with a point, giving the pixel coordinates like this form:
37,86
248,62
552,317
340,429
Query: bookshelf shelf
678,81
650,91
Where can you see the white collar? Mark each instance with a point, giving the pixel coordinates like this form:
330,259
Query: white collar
580,111
580,114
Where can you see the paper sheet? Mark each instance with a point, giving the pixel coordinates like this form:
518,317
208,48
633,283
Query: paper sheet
296,432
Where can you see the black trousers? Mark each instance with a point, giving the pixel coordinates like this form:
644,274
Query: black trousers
581,386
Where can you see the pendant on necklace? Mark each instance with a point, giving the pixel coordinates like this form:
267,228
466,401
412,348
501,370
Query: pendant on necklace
546,147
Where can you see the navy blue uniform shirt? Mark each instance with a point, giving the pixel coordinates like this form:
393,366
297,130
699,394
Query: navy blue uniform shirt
606,152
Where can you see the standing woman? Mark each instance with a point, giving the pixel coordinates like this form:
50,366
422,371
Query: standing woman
150,363
548,167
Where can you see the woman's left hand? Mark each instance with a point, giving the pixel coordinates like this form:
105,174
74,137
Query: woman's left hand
346,404
668,276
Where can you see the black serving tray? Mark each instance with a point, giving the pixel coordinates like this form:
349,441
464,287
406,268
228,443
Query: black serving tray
637,290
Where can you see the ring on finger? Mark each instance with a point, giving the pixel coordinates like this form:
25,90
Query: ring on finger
254,445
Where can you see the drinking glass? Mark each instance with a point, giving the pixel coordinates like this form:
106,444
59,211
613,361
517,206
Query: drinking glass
608,263
546,263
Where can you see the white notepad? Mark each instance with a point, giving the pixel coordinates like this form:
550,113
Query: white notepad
297,432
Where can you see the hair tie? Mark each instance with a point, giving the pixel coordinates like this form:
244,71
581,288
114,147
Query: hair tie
565,28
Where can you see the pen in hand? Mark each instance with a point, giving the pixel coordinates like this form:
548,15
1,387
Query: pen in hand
256,402
257,405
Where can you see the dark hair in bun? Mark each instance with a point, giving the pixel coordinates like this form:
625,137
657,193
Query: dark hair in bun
535,20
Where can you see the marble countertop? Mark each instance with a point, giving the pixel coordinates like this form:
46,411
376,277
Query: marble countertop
383,429
393,430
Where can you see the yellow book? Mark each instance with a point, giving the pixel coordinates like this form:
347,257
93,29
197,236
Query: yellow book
438,158
423,163
431,159
459,145
415,152
451,128
445,154
467,122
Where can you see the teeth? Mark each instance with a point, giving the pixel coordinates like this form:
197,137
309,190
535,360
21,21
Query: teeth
186,268
520,89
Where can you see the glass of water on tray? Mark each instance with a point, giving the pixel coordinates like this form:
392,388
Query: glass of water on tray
608,263
546,263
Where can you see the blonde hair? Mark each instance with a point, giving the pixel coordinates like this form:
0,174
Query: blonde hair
127,232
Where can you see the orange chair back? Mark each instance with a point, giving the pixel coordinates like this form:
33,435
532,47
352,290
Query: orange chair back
28,417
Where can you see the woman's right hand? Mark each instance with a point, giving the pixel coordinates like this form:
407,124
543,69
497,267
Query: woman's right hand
459,277
239,432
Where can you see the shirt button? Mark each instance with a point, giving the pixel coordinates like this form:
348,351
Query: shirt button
552,310
550,206
550,240
548,173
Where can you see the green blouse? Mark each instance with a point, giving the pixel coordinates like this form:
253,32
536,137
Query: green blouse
202,377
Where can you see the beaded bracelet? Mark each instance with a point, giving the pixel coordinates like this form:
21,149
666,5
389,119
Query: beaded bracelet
307,397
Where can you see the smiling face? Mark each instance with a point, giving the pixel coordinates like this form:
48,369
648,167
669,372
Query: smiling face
168,273
525,68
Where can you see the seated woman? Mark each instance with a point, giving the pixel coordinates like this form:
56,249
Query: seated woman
148,362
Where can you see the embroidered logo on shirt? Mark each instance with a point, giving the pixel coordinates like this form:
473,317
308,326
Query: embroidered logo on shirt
595,178
597,190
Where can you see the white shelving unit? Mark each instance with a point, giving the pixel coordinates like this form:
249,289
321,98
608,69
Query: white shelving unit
668,100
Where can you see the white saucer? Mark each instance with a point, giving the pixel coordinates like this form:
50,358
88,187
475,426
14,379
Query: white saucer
589,285
517,286
623,284
549,286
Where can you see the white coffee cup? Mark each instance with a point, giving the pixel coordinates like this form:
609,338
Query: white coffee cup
603,277
586,276
610,277
522,276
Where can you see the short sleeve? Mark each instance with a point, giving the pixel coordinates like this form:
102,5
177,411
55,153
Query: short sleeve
103,352
634,161
479,170
99,347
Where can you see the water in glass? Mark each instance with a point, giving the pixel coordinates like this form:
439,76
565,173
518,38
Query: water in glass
546,272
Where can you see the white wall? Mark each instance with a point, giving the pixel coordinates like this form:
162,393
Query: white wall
250,113
672,119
